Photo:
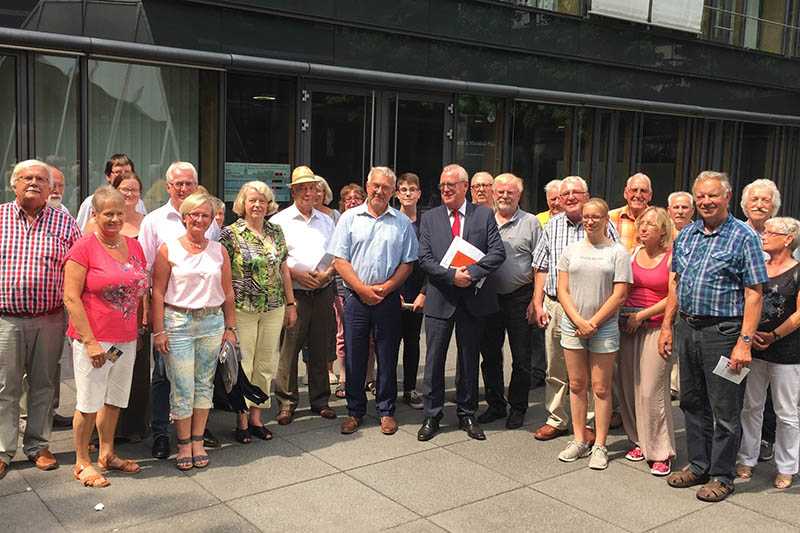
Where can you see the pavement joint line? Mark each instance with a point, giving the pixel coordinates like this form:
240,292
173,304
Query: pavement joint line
49,510
690,513
758,512
461,505
375,490
584,511
258,493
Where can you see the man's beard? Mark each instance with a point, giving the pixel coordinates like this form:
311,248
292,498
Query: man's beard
54,201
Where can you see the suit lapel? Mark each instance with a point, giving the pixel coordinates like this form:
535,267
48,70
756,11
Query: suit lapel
468,222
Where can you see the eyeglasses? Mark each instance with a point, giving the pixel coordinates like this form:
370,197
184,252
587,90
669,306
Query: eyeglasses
449,184
478,186
594,218
34,178
183,184
774,234
199,216
572,193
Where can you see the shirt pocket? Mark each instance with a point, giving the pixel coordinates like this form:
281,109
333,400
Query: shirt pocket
721,262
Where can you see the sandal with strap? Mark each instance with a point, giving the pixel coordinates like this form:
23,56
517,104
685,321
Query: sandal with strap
184,463
113,462
199,461
714,491
783,481
686,478
340,392
89,477
261,432
242,435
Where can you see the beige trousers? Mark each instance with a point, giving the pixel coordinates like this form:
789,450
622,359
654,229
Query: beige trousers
556,394
643,381
259,339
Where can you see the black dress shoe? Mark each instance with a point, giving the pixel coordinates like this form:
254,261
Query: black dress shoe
209,440
468,424
430,427
515,419
161,447
491,414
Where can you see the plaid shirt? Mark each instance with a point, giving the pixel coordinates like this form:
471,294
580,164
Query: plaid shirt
32,267
558,234
625,225
714,268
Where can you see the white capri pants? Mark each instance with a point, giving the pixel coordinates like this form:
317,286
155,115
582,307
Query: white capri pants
110,384
785,383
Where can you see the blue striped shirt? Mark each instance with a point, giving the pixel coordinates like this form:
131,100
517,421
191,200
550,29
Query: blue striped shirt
559,232
714,268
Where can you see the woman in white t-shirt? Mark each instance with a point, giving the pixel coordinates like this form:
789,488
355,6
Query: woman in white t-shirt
193,313
593,278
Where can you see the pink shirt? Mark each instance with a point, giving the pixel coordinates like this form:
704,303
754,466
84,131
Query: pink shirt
650,286
112,290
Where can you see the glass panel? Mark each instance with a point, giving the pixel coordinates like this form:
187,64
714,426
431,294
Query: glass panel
758,24
56,120
623,160
420,144
261,118
340,129
571,7
480,122
758,144
150,113
660,154
584,123
542,137
8,123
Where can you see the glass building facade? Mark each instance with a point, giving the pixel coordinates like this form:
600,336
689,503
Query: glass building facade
541,88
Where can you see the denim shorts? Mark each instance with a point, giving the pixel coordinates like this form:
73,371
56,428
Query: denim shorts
606,340
194,344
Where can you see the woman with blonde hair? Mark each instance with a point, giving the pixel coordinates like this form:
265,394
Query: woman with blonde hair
593,278
193,313
643,376
263,294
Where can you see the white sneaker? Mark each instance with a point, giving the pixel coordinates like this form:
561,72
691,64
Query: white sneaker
599,458
574,451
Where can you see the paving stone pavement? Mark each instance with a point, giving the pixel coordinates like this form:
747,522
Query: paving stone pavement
311,478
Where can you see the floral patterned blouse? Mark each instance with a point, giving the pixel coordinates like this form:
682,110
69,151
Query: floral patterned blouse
256,265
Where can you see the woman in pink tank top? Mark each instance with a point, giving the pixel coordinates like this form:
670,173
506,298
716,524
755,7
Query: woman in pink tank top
643,376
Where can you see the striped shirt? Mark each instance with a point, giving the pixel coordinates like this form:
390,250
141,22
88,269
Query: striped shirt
32,258
626,226
558,234
714,268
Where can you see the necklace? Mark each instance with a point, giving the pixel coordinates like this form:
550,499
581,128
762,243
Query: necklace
195,245
113,246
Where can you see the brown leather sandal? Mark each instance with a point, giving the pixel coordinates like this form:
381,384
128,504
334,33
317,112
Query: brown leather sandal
714,491
113,462
89,477
686,478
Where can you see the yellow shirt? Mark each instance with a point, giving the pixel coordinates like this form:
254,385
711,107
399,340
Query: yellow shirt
543,218
626,226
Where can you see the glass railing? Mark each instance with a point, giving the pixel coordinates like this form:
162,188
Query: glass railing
569,7
746,31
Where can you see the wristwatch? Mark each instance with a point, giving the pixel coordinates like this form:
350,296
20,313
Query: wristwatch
746,338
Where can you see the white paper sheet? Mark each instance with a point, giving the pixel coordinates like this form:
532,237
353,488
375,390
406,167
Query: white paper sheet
459,245
723,370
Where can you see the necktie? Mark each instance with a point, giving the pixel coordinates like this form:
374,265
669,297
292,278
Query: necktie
456,223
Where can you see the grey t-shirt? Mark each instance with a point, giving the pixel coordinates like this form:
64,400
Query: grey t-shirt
593,270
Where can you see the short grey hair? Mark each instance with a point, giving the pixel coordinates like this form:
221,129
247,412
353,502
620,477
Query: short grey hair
762,183
508,178
678,194
104,194
481,174
640,176
386,171
327,193
787,225
177,166
261,188
575,180
708,175
458,169
552,185
30,163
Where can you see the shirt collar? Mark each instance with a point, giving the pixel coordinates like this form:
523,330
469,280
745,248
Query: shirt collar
22,214
295,213
698,227
461,210
623,213
516,216
362,210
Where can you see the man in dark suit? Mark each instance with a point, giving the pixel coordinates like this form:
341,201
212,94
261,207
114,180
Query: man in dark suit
454,300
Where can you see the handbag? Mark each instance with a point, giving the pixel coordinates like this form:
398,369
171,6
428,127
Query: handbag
228,364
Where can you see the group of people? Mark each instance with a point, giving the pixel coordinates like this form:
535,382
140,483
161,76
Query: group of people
623,299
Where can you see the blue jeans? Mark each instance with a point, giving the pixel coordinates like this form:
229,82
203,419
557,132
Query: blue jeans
159,393
712,405
382,321
194,343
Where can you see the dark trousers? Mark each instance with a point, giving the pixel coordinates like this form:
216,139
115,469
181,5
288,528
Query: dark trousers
438,331
711,405
159,394
382,321
538,355
511,318
410,325
770,420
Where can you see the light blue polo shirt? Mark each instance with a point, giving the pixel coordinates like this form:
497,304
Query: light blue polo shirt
374,246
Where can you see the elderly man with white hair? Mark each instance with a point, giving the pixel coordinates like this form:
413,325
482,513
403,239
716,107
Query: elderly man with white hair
34,241
162,225
481,189
680,206
638,194
761,201
551,193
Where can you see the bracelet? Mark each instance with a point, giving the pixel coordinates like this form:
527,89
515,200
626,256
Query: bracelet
162,332
289,304
231,328
775,334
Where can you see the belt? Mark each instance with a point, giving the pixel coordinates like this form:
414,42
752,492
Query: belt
527,288
53,311
312,292
705,321
196,313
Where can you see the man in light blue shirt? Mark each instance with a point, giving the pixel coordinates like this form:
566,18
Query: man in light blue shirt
374,246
